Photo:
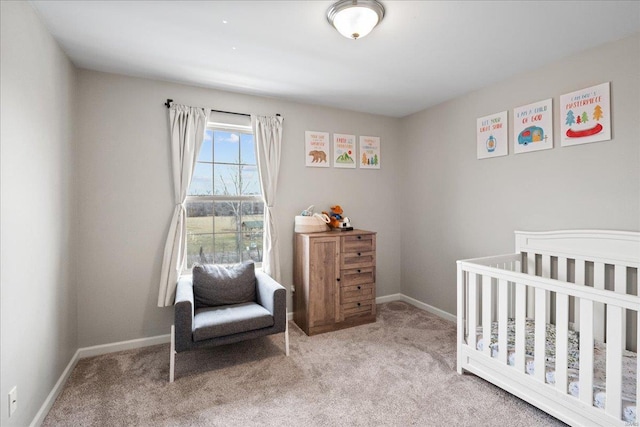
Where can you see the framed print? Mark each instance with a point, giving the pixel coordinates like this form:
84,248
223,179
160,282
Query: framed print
533,127
492,138
585,116
316,149
344,151
370,152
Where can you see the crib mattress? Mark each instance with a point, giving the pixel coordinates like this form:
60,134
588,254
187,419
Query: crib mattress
599,353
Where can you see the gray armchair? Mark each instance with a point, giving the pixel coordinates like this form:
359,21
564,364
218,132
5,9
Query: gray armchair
201,323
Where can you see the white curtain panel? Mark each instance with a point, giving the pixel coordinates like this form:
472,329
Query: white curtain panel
187,126
267,132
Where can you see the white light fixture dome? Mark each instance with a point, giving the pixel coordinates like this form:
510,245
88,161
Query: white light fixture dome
355,18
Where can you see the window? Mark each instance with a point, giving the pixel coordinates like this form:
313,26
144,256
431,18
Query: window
225,210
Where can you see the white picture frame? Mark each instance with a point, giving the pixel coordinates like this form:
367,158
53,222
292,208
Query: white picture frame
317,150
585,115
533,127
492,137
369,155
344,151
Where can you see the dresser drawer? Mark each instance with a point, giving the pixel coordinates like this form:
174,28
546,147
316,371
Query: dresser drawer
357,259
357,276
359,243
357,293
358,308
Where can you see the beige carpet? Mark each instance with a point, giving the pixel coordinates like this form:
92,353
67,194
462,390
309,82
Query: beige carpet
398,371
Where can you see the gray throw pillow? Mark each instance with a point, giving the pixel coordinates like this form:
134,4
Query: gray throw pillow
215,285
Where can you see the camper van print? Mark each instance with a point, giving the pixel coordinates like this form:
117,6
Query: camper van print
531,134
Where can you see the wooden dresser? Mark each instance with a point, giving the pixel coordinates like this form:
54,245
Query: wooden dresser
334,280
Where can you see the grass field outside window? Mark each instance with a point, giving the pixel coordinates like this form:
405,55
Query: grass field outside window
225,210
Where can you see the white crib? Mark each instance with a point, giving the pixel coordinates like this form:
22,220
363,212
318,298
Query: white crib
579,283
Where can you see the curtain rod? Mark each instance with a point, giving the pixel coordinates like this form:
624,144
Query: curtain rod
169,101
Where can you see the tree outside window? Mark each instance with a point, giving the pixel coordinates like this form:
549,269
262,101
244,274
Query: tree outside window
225,209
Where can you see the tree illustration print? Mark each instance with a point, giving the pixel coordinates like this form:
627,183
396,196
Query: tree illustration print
597,113
570,119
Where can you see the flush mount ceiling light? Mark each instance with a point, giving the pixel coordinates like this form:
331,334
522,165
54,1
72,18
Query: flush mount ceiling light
355,18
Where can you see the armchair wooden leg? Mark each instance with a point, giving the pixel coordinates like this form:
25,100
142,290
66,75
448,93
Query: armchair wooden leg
286,338
172,359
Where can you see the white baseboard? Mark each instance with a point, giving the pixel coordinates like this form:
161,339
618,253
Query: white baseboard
98,350
388,298
419,304
431,309
57,389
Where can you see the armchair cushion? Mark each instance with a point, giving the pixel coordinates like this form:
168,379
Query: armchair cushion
213,322
215,285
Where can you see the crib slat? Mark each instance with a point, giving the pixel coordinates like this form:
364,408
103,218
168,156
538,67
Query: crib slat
562,269
546,266
613,405
521,305
512,299
598,275
546,272
586,351
487,298
473,301
494,299
563,276
620,279
580,270
503,305
531,270
562,328
598,307
620,286
531,263
578,280
540,334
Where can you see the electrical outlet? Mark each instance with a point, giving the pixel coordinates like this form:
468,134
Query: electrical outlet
13,400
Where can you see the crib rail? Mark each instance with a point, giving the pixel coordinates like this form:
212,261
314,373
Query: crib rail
537,286
608,297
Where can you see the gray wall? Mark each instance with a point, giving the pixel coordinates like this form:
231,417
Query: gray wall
126,194
38,293
463,207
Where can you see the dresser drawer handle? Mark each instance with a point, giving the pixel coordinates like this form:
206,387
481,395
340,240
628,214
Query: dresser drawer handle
358,253
338,279
359,271
358,304
359,237
359,287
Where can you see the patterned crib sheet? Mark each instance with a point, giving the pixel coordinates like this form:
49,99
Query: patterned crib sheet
629,363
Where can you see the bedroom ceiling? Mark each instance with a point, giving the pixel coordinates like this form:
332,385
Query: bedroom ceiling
423,52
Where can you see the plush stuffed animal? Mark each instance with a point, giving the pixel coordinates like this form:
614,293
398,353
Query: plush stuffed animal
335,216
333,223
336,211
